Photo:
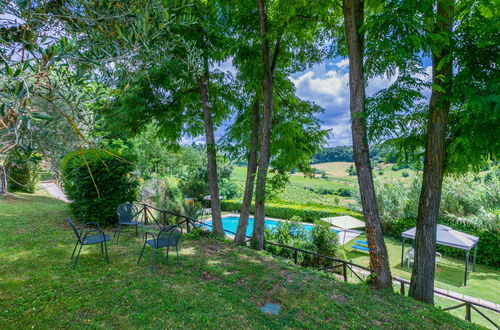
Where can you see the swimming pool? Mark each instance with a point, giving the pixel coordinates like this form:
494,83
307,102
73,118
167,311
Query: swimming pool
230,223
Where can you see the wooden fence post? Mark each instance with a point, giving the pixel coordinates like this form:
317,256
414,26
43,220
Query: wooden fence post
295,256
402,289
145,215
344,270
467,312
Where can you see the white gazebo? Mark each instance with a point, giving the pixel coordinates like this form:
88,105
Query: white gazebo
345,222
450,237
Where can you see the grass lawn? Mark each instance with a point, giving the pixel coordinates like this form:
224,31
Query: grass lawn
484,283
219,285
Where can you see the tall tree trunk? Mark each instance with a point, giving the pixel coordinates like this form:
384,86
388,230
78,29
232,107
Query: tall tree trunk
3,179
379,261
211,153
251,169
267,87
422,277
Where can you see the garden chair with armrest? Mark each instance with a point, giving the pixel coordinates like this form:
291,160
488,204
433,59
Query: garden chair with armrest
97,237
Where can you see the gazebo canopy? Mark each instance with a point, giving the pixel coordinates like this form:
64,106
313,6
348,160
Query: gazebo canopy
448,236
344,222
209,197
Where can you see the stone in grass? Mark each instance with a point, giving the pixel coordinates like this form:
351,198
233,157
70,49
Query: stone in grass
271,308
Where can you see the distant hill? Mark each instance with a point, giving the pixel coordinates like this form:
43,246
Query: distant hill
345,154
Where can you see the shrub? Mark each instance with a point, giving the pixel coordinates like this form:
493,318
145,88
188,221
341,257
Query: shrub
97,181
24,177
405,174
325,242
167,195
345,192
466,205
321,240
351,170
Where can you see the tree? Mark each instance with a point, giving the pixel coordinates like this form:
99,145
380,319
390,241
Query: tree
253,146
283,40
264,153
379,262
179,77
458,36
422,277
33,58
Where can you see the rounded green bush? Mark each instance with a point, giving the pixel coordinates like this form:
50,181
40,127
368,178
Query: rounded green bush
97,181
24,177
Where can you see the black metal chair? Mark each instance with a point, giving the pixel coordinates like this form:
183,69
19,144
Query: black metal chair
86,239
167,237
126,217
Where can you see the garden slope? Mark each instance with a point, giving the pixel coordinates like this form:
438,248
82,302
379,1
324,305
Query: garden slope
219,285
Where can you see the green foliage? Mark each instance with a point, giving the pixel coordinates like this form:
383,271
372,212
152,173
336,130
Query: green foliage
326,242
24,177
97,181
466,205
187,164
198,233
405,174
472,132
345,154
321,239
345,192
351,170
192,208
168,196
307,212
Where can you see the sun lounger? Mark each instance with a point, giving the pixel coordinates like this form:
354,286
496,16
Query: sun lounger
361,248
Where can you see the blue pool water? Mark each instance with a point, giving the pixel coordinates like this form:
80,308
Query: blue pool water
231,224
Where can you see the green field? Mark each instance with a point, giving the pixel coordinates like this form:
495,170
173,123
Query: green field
219,285
317,190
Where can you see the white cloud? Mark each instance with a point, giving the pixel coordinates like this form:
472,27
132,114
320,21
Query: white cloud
342,64
327,85
330,90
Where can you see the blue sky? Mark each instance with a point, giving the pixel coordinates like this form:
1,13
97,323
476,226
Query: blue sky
326,84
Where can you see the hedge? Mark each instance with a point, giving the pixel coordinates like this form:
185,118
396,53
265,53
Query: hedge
97,181
308,213
24,177
487,248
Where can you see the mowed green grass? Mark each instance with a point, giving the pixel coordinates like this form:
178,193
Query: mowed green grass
483,283
219,285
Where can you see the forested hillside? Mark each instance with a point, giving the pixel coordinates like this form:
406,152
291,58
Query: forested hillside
344,154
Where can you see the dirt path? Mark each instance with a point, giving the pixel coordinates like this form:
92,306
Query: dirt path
54,190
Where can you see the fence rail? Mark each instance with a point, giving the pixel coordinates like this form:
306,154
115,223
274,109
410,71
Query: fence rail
189,222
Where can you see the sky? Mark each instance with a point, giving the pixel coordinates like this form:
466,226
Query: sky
325,84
